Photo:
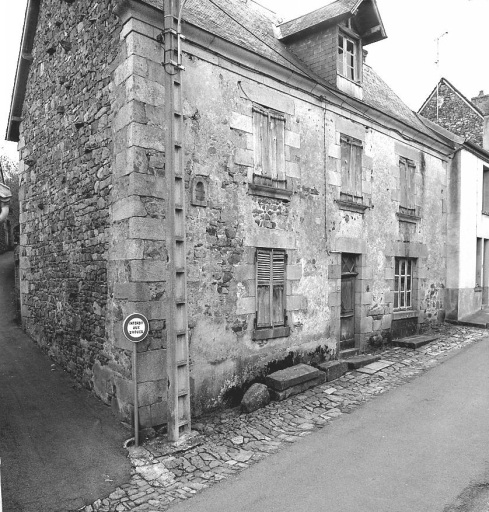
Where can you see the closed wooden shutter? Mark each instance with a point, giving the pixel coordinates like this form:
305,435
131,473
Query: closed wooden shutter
269,143
407,172
270,293
351,166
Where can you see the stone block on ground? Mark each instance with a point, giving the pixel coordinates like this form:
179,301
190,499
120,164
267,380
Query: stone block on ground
255,398
293,376
359,361
414,342
299,388
333,369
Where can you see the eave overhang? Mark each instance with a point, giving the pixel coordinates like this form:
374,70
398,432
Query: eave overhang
366,16
23,66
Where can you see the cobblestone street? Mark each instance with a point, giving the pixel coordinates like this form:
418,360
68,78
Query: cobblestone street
230,442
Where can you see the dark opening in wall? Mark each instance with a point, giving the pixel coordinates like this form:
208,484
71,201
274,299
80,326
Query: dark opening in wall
198,195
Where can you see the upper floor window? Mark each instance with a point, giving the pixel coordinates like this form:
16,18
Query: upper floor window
269,146
351,169
407,172
485,191
348,57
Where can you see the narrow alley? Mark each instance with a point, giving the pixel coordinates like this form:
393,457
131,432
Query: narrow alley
60,447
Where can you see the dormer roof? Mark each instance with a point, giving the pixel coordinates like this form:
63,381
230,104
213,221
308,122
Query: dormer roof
367,19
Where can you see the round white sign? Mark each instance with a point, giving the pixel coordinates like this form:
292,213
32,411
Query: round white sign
135,327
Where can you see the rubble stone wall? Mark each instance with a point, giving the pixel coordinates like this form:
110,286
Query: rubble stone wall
66,153
454,114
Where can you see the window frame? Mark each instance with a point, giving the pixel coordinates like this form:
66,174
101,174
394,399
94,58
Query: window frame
269,178
407,186
267,278
408,294
342,56
351,178
485,190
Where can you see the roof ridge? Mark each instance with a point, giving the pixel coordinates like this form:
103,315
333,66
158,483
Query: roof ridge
456,91
462,96
310,12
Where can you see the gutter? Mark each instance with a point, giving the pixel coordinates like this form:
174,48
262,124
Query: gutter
214,44
23,66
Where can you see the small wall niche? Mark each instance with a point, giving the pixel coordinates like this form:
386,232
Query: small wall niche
199,191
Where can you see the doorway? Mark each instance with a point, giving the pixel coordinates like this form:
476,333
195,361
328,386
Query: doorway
347,315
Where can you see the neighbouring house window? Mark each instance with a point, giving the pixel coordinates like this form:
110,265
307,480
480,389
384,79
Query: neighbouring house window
407,172
403,284
485,191
269,146
270,288
478,263
348,57
351,169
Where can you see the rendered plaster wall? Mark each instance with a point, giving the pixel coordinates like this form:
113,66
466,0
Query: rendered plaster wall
466,224
378,236
222,237
454,114
66,148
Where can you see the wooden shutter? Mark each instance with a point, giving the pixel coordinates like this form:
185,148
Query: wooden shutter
407,173
269,143
277,146
411,191
260,122
351,166
270,287
346,184
278,283
356,171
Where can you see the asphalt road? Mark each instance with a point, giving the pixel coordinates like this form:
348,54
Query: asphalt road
60,447
423,447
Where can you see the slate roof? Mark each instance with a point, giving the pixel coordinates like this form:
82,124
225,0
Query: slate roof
244,24
379,95
248,26
327,13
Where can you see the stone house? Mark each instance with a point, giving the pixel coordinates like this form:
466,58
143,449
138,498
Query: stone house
261,196
468,210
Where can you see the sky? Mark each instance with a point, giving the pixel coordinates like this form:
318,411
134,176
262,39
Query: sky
406,60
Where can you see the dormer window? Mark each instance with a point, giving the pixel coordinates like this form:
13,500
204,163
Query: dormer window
348,57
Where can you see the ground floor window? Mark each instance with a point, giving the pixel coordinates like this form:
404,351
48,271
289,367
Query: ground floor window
270,288
403,283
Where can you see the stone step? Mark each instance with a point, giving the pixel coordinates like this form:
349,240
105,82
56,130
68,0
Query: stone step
299,388
414,342
350,352
360,361
293,376
333,369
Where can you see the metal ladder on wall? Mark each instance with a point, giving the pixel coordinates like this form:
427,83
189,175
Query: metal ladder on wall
177,322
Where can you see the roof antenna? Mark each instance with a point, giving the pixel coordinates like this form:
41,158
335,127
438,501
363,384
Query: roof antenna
437,62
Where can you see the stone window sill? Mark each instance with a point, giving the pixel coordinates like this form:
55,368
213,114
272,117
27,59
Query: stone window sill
271,332
406,313
283,194
351,206
404,217
485,213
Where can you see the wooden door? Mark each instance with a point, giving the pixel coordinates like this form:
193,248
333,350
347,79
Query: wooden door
347,315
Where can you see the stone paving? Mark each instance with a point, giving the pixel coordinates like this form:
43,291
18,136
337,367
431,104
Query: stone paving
227,443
